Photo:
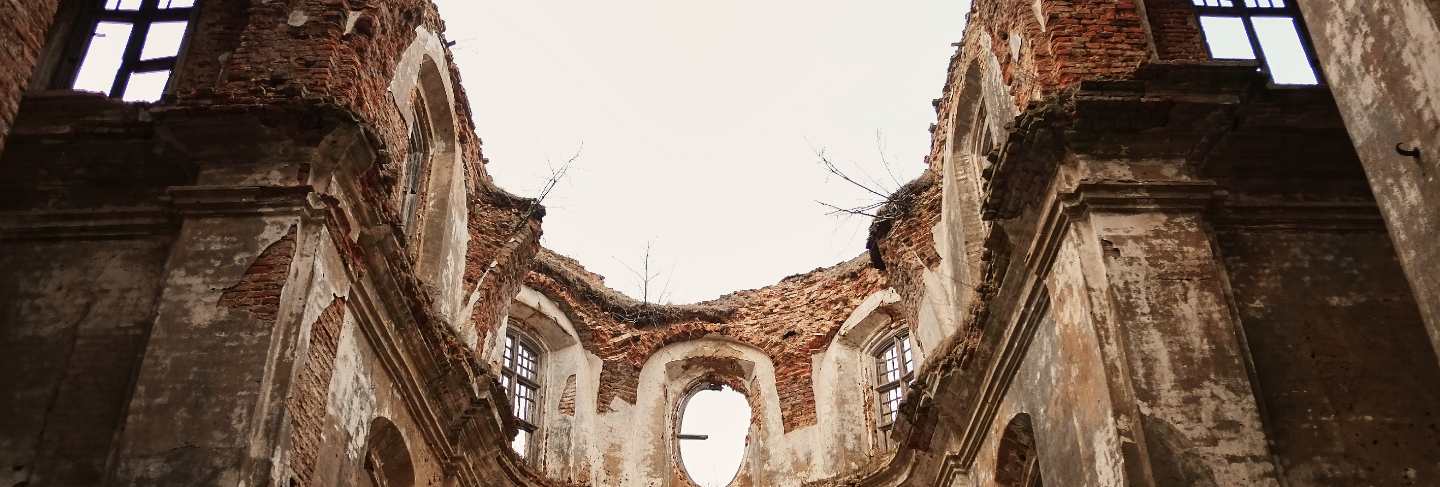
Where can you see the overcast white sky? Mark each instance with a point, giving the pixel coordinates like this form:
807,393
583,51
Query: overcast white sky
699,121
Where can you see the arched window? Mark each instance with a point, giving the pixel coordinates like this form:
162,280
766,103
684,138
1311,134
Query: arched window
1016,462
387,459
416,165
520,377
894,369
981,144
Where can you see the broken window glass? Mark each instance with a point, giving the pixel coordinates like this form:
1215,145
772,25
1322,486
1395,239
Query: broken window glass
1266,30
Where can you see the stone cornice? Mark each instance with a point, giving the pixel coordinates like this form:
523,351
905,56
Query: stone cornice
239,200
97,223
163,218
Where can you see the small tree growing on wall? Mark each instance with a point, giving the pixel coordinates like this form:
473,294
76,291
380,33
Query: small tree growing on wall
647,274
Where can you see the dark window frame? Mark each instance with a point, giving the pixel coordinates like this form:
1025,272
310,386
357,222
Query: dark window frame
514,377
1237,9
886,411
417,164
92,12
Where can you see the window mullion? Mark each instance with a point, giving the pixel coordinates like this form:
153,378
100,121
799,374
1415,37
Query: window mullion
1254,39
138,31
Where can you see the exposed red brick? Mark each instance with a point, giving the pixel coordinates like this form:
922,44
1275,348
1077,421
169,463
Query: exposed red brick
788,321
1176,30
20,44
902,240
567,397
307,401
258,291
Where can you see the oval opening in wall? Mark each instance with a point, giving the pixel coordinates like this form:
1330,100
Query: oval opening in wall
713,426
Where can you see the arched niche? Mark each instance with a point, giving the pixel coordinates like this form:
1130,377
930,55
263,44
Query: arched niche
421,87
1017,461
569,381
845,378
387,457
972,136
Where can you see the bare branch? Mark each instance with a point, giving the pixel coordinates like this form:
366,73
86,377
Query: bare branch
862,210
884,161
830,167
557,175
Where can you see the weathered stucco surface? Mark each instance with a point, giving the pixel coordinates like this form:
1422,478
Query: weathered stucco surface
1125,264
1382,61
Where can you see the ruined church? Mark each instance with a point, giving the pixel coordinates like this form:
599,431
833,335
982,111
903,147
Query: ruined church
1156,243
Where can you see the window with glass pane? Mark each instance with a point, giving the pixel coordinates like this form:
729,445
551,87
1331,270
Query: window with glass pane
128,48
519,378
415,164
1269,31
894,369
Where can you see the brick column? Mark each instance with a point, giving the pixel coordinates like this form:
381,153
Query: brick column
1172,353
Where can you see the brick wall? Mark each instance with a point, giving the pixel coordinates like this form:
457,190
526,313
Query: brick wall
258,291
504,237
567,397
307,401
335,55
788,321
21,37
902,240
1176,30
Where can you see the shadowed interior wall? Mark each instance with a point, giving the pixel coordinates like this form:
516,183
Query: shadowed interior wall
74,318
1346,374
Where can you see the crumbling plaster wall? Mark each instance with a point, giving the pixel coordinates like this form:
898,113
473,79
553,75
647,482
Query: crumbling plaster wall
979,72
325,441
805,339
637,441
438,246
172,433
845,380
1382,62
1076,438
790,321
236,282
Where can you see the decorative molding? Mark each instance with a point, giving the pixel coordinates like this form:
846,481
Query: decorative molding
1063,208
1002,374
951,470
240,200
99,223
1300,215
